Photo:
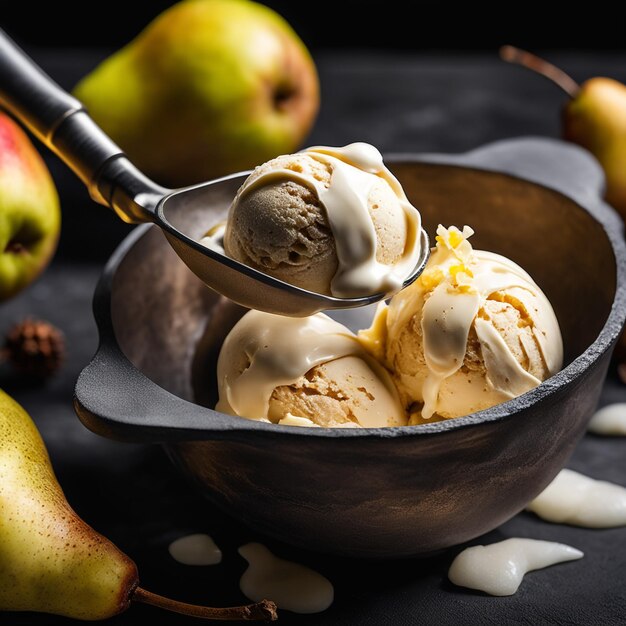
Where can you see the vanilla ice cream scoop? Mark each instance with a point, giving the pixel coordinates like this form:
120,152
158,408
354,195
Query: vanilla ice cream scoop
309,371
473,331
330,220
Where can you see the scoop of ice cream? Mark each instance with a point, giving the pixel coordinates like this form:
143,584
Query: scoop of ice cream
330,220
308,371
473,331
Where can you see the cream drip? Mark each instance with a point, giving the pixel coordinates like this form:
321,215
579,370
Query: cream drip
572,498
498,569
291,586
354,171
609,420
458,281
265,351
197,549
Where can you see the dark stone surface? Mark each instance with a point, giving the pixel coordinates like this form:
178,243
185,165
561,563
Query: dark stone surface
133,495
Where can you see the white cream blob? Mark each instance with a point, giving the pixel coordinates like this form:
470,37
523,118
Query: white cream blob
572,498
291,586
196,549
609,420
498,569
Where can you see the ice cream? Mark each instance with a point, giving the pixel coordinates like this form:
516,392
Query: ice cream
330,220
308,371
474,330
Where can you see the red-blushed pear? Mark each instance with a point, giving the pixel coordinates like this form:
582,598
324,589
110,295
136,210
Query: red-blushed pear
30,217
51,561
210,87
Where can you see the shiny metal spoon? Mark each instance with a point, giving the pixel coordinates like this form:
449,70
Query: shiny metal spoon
61,123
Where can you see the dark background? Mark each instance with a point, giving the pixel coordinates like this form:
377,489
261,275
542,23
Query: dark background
438,26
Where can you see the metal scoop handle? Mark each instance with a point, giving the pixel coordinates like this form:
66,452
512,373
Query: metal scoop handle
61,122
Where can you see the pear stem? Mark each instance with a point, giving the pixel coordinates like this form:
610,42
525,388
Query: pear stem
512,54
264,610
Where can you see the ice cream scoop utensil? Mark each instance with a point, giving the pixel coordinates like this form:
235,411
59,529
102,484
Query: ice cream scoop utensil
61,122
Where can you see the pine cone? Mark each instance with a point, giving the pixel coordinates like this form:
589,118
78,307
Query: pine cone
36,348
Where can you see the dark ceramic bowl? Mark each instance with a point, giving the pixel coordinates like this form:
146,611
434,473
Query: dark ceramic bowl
386,492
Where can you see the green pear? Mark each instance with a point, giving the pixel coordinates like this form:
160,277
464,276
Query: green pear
30,217
210,87
594,117
51,561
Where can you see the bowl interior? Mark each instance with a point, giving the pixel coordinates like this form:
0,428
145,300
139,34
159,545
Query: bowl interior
170,326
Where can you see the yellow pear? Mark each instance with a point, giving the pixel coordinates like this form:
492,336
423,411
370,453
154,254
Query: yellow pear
596,120
210,87
51,561
594,117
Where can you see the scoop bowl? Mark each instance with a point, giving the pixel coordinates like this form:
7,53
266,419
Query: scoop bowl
186,215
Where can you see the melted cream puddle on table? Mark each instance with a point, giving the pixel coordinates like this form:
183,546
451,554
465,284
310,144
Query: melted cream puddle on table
609,420
572,498
498,569
196,549
291,586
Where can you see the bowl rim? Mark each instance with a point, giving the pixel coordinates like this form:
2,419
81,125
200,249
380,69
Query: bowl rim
525,159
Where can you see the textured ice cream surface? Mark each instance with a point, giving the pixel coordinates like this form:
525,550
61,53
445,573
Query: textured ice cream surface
330,220
282,228
303,372
473,331
344,392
